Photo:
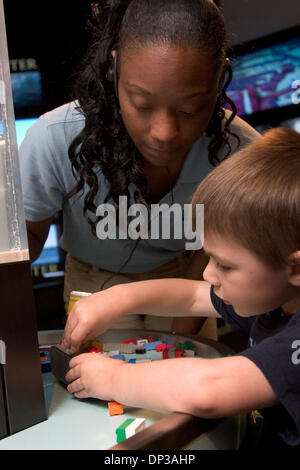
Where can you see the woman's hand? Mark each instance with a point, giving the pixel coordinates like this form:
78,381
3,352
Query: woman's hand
90,317
92,375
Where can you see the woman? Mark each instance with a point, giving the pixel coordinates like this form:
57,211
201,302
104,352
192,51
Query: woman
148,123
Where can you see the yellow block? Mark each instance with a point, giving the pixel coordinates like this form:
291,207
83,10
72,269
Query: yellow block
97,344
92,344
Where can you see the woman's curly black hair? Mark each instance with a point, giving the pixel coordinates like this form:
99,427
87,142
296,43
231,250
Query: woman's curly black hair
104,141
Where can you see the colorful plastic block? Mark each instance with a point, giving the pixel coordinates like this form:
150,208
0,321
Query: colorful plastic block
165,354
93,350
112,353
115,408
119,356
121,430
185,345
121,347
129,428
151,346
45,358
178,352
188,353
91,346
141,350
97,344
133,340
150,338
189,345
142,341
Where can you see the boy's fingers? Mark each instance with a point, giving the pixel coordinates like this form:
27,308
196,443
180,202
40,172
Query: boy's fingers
77,360
82,394
71,340
74,372
75,387
66,339
64,343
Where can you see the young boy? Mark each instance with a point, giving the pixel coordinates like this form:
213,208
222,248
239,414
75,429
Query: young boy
252,280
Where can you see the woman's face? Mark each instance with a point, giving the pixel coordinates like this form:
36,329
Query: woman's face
167,97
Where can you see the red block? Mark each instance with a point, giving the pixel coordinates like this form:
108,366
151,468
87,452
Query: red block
127,341
93,350
160,347
178,352
150,338
165,354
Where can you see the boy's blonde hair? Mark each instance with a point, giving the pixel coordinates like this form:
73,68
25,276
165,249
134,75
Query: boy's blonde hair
254,196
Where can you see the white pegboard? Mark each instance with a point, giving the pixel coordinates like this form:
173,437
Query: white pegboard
2,92
2,352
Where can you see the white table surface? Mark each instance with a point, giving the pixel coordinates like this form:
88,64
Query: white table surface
75,424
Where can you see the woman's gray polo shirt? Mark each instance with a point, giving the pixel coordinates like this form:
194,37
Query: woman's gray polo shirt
46,175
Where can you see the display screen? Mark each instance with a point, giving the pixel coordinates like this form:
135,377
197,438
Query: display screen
26,89
21,128
265,79
50,258
50,254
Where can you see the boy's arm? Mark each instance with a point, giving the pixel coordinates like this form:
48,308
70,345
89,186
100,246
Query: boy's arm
94,314
208,388
192,325
212,388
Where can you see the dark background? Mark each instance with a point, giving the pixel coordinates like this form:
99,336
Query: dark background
54,34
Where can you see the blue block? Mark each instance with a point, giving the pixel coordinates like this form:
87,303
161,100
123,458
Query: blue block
132,361
150,346
119,356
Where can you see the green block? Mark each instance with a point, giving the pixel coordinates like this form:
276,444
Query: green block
189,345
186,345
121,430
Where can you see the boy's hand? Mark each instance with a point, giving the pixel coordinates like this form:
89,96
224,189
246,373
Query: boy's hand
92,375
89,318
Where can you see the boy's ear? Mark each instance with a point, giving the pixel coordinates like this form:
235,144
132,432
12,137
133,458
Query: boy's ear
294,277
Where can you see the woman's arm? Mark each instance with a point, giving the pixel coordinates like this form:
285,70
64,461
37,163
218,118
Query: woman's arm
94,314
37,234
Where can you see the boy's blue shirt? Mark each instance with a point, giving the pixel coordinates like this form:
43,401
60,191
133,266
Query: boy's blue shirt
274,346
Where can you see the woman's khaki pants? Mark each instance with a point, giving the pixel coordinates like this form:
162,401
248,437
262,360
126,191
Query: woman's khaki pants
81,276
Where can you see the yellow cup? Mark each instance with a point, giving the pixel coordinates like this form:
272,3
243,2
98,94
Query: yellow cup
74,296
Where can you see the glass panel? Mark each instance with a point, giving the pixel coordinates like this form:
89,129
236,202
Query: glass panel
13,238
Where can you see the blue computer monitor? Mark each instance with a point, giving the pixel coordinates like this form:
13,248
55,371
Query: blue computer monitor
50,254
27,89
22,125
266,73
50,261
